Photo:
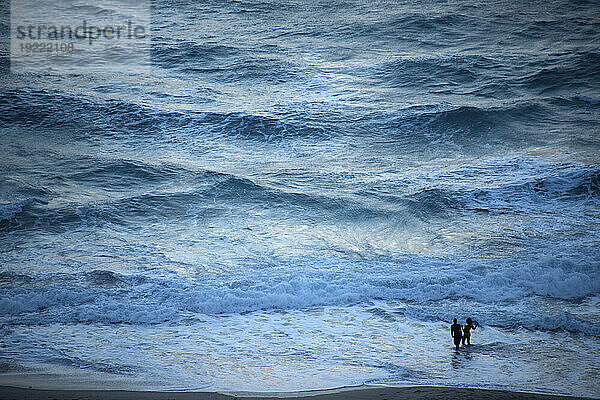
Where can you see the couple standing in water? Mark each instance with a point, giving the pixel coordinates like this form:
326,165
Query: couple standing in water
462,333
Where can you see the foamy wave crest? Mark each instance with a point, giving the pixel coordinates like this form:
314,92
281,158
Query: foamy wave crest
106,297
465,124
514,185
91,118
200,188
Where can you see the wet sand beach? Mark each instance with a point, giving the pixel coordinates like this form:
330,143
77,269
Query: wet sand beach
362,393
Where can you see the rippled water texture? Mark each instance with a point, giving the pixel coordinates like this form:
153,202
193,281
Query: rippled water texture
303,194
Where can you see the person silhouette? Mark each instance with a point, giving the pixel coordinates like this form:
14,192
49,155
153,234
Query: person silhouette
456,333
467,330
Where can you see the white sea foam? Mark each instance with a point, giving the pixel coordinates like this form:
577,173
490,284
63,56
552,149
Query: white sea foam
150,301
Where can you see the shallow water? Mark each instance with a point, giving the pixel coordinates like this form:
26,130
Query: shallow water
302,195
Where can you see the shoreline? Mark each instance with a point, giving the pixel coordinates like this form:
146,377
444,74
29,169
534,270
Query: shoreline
345,393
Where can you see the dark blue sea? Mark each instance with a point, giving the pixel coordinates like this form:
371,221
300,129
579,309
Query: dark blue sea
302,194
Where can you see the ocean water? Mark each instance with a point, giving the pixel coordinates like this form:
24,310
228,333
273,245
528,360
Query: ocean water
302,194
